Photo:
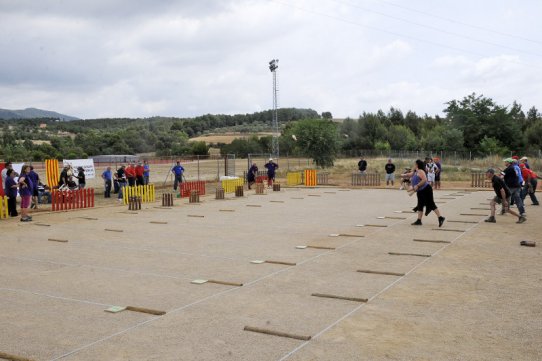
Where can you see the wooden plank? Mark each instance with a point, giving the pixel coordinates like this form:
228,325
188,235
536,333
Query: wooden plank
408,254
381,272
226,283
355,299
57,240
276,333
430,240
448,230
113,230
145,310
281,262
10,357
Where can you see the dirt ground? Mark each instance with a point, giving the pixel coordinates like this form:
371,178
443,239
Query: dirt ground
475,297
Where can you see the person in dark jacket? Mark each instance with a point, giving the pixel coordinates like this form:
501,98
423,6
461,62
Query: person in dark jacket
251,175
11,192
390,172
81,177
502,196
271,167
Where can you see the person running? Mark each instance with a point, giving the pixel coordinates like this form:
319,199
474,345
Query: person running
11,192
271,167
362,166
502,196
390,172
146,172
424,193
25,190
531,183
251,175
178,172
106,176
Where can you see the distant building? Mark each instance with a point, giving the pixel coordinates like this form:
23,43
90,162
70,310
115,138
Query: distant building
115,158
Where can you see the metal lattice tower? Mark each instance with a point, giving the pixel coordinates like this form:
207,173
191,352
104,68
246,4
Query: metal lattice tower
273,66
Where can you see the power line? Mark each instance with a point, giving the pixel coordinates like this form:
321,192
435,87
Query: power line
460,50
435,28
461,22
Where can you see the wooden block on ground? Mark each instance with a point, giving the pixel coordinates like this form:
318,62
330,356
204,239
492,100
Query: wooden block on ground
10,357
158,222
145,310
276,333
430,240
355,299
448,230
320,247
113,230
226,210
473,214
226,283
408,254
195,216
455,221
280,262
57,240
381,272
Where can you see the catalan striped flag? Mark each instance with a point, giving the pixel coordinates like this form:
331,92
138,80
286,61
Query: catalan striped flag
51,168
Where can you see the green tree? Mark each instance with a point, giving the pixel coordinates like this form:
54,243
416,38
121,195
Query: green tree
317,139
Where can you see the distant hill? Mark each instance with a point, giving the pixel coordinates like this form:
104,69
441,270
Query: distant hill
33,113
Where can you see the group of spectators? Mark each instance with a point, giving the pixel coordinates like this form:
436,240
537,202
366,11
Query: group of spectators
131,175
512,185
27,185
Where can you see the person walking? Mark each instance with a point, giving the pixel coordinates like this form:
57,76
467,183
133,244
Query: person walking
11,192
35,178
502,197
531,182
424,193
146,172
178,171
4,175
271,167
513,182
81,178
390,172
25,190
106,176
437,174
251,175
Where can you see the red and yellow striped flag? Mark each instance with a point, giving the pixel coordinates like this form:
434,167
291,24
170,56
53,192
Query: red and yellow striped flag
51,168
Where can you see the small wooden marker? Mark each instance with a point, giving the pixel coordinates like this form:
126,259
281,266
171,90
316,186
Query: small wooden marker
408,254
473,214
10,357
253,205
125,212
391,217
381,272
430,240
298,198
345,235
226,210
448,230
158,222
314,195
57,240
200,282
480,209
371,225
276,333
281,262
88,218
331,192
315,247
455,221
113,230
344,190
42,224
195,216
447,198
355,299
163,207
145,310
276,201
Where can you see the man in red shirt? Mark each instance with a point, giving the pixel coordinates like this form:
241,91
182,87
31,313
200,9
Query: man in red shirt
130,174
139,170
530,184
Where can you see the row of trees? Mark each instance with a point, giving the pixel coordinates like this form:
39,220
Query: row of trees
474,123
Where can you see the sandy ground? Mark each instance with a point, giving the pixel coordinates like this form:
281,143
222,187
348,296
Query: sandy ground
475,298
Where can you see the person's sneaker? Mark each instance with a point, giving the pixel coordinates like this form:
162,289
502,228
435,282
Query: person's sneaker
417,223
441,221
27,219
503,212
491,220
536,204
521,219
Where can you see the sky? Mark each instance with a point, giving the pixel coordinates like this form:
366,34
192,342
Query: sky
184,58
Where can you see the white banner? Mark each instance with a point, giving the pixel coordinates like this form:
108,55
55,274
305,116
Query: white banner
87,164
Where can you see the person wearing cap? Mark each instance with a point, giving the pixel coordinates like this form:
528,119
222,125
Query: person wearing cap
107,176
424,193
271,167
251,175
177,171
4,175
513,180
139,171
525,160
431,169
131,174
502,196
530,185
81,179
437,173
390,172
63,180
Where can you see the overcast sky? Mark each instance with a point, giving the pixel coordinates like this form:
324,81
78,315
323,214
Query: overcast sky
140,58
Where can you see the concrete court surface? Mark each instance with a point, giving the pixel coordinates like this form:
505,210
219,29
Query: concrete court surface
476,298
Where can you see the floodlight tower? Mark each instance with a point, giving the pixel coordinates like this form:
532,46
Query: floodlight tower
273,66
